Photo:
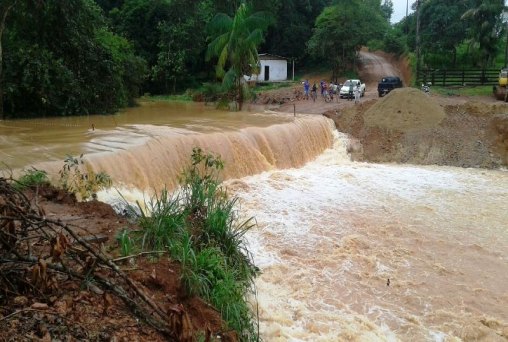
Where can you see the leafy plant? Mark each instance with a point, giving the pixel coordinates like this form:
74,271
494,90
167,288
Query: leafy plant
85,185
32,177
125,241
200,227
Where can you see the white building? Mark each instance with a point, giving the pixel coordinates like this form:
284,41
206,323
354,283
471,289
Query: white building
272,69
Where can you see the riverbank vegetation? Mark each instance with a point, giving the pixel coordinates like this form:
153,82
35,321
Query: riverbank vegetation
200,227
96,56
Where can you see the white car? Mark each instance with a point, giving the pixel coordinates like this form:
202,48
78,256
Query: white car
344,91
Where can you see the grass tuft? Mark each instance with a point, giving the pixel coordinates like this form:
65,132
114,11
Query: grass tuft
31,177
463,91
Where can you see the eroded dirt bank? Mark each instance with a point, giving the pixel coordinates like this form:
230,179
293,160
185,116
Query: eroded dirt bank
408,126
56,307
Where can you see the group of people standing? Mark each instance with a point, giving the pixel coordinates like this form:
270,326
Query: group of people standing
331,89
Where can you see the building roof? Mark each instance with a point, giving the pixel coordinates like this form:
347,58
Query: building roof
268,56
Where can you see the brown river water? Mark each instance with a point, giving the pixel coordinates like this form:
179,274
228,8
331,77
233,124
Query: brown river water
348,251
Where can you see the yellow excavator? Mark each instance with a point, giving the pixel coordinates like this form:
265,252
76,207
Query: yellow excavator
500,90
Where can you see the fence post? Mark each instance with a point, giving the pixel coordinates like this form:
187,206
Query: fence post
463,77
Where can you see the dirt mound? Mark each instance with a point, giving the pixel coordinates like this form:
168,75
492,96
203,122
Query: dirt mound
500,126
483,109
405,109
279,96
405,129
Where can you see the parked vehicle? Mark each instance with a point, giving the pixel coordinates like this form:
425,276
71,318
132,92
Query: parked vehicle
500,90
387,84
344,90
426,87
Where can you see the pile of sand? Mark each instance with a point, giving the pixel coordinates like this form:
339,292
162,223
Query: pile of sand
405,109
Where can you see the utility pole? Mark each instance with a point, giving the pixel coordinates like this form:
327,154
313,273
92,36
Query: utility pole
293,68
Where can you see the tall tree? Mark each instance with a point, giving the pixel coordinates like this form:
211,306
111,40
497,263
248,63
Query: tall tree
294,20
442,29
484,22
5,8
234,42
63,60
169,35
342,29
387,9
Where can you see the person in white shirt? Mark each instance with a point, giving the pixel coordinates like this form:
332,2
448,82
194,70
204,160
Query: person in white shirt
357,94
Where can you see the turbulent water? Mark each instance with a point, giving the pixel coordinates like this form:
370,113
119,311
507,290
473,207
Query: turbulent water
362,252
25,142
348,251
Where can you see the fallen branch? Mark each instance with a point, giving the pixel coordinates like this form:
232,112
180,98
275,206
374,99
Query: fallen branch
138,255
62,250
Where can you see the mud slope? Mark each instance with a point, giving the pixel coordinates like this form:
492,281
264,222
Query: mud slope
408,126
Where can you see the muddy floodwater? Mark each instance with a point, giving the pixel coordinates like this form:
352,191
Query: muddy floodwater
348,251
372,252
25,142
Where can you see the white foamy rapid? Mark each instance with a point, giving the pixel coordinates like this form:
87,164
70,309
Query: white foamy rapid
362,252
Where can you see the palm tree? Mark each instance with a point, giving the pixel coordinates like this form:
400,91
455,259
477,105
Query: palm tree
234,42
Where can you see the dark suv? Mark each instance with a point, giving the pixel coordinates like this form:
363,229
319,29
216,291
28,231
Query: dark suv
387,84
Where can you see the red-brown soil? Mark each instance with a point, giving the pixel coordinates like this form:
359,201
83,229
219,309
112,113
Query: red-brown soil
73,311
468,135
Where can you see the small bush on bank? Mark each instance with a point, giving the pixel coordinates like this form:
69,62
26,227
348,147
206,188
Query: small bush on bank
31,177
83,183
200,227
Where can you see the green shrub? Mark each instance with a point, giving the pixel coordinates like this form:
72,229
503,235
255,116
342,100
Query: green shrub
375,45
83,184
200,228
31,177
125,241
395,42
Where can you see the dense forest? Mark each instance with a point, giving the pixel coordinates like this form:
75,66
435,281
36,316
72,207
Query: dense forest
85,56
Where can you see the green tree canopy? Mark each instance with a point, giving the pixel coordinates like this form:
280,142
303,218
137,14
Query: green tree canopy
60,59
387,9
483,20
442,28
292,27
342,29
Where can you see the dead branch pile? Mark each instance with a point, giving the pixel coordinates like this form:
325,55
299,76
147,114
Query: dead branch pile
37,254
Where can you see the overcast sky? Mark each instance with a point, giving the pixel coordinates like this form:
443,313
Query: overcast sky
399,9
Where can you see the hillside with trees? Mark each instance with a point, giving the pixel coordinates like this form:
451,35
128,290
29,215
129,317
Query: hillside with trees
85,56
